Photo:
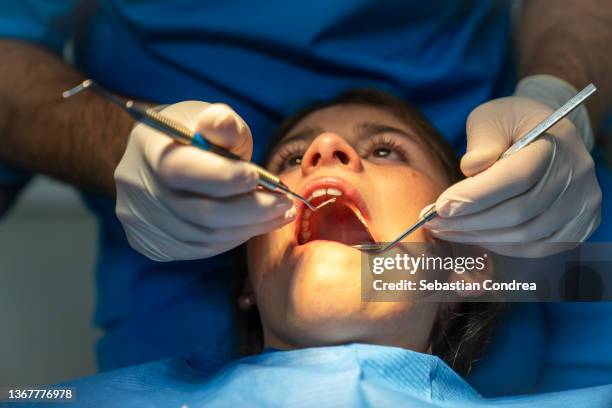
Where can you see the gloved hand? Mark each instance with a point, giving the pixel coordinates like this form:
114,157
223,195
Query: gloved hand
177,202
545,193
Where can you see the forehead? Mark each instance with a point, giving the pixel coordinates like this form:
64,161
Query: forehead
342,118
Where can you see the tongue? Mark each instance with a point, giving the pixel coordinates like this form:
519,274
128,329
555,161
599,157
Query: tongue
337,222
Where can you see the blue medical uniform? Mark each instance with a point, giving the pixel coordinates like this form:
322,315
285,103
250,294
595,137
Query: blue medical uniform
265,59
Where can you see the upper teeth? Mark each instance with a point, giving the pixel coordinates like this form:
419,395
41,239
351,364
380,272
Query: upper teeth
324,191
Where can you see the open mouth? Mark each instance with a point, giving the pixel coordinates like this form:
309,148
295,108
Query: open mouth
343,221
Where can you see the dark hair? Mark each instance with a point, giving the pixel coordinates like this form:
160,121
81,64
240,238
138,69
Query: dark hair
459,336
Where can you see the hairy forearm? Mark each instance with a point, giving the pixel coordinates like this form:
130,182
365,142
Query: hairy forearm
78,140
570,39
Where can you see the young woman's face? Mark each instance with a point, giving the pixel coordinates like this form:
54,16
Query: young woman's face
305,277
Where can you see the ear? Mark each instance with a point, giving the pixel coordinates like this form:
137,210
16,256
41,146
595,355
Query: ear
246,300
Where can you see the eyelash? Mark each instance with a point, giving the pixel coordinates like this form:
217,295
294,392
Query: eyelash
378,141
287,152
384,141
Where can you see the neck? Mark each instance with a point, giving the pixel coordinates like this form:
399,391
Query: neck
414,340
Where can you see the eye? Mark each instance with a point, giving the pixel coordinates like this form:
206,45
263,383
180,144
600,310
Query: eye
293,161
287,158
384,148
383,152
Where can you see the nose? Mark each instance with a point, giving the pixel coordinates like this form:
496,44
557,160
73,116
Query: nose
330,149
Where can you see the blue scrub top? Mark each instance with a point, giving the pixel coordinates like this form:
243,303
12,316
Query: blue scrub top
265,59
355,375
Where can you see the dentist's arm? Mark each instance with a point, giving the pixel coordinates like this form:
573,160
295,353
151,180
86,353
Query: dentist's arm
78,140
570,40
547,192
175,202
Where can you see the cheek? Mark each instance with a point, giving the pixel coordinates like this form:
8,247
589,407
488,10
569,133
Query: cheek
411,187
292,178
265,252
401,197
269,265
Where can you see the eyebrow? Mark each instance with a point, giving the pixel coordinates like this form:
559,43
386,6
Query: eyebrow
369,129
304,135
363,130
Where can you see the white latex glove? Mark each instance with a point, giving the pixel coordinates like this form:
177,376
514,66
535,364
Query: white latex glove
545,193
178,202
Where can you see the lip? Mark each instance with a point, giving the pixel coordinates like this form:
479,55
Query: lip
347,190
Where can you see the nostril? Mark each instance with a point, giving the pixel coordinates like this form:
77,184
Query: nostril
343,157
315,159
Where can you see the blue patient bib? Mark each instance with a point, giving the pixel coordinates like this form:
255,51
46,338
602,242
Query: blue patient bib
355,375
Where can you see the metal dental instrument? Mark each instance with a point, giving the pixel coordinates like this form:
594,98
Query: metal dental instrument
184,135
533,134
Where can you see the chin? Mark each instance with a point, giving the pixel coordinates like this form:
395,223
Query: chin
324,290
327,278
335,321
328,260
324,306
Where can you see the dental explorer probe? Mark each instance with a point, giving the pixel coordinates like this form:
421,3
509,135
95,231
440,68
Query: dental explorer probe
182,134
533,134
